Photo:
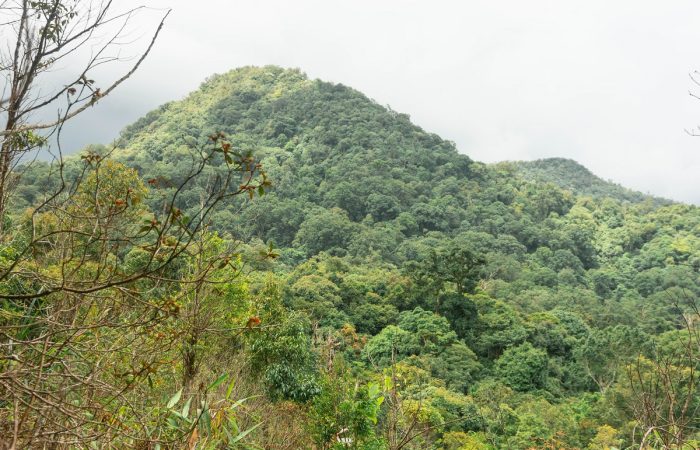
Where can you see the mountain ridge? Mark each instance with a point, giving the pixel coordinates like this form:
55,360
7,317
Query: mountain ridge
571,175
472,282
556,170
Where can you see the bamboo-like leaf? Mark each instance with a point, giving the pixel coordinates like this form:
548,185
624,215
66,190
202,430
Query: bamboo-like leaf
174,399
230,388
205,421
239,402
245,433
218,381
186,408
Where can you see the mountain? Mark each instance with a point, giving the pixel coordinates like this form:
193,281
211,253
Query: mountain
506,302
572,176
368,181
356,180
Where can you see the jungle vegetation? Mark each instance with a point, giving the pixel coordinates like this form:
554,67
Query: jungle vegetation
285,263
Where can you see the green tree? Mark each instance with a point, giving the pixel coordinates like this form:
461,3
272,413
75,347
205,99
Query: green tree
329,230
524,368
604,352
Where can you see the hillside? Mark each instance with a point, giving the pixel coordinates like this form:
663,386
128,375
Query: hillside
572,176
494,306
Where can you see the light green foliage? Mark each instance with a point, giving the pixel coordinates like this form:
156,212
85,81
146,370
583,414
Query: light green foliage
510,298
466,441
341,413
605,439
427,339
284,359
317,296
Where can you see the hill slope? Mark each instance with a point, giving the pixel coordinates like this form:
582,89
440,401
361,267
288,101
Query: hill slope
508,297
355,179
572,176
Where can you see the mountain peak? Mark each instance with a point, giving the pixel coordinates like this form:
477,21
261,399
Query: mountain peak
573,176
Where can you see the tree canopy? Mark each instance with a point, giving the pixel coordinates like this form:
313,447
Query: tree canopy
391,290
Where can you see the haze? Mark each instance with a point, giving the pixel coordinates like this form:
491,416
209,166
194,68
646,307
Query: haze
604,83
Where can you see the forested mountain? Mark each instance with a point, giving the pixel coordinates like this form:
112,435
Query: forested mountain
418,298
572,176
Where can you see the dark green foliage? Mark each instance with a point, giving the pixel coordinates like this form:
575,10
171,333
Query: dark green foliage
338,413
519,291
570,175
498,327
524,368
427,340
604,351
285,360
326,230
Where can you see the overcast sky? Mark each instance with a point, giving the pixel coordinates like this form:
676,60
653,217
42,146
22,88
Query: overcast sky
603,82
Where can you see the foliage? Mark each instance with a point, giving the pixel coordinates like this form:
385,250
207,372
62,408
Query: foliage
388,291
524,368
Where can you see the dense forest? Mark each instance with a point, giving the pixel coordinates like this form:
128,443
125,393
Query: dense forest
381,290
575,178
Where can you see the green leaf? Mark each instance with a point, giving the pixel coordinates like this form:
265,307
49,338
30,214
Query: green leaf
233,424
205,421
186,408
241,401
178,415
244,434
173,423
230,388
218,381
373,389
175,398
228,434
388,384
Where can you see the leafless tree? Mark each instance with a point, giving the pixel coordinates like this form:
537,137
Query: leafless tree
38,37
92,284
665,400
95,284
